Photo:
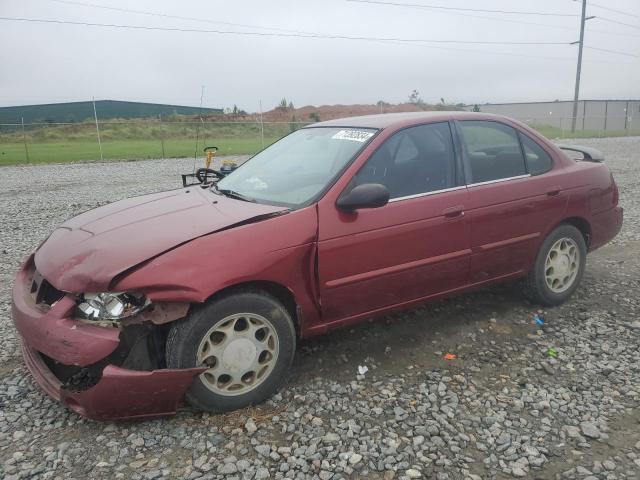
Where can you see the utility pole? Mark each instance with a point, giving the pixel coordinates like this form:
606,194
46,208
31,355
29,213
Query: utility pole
95,116
26,150
261,126
580,43
195,152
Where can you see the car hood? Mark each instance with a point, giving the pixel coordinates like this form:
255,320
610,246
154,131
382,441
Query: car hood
85,253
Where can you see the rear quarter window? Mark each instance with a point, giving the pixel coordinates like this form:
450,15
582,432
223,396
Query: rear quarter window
538,160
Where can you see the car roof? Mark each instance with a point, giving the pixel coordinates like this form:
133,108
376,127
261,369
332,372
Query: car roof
387,120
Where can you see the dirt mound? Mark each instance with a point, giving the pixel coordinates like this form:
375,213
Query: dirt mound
310,113
329,112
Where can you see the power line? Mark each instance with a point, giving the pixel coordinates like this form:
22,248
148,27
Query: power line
610,20
262,27
505,20
605,32
413,41
478,10
177,17
611,51
273,34
621,12
510,20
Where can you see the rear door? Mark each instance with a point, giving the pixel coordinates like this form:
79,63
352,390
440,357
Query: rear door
515,195
413,247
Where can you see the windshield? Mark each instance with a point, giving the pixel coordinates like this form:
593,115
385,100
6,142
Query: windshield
298,167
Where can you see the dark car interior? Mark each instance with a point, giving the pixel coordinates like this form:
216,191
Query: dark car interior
416,160
496,162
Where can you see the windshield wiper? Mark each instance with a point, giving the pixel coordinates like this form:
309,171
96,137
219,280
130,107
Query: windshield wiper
233,194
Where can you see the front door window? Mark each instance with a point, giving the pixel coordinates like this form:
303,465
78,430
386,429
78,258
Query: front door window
414,161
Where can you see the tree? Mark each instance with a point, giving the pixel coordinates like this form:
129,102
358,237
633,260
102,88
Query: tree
314,116
290,105
283,104
415,99
235,109
476,108
294,124
381,104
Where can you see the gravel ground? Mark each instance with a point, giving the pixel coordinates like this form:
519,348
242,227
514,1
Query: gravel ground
502,409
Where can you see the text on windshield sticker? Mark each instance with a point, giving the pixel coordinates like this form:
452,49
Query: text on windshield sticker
354,135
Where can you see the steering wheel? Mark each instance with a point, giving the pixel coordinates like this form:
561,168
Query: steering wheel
208,175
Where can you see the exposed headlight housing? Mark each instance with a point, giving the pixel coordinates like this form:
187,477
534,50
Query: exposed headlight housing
111,305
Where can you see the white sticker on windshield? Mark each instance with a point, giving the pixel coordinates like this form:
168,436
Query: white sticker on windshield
354,135
257,183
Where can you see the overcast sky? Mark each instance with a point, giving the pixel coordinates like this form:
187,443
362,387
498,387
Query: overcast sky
42,63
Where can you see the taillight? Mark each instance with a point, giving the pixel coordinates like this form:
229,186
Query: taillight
616,194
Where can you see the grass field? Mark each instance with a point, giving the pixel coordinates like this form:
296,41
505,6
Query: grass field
554,132
133,140
59,152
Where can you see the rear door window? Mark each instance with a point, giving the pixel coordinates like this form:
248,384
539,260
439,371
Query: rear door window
492,151
538,160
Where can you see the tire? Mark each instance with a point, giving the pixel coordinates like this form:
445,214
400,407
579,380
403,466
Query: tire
548,287
247,336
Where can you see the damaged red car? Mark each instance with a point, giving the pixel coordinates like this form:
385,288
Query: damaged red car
201,293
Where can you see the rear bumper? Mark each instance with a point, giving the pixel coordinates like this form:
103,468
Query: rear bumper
119,393
605,226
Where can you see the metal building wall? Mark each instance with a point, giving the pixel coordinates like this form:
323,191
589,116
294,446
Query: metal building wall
596,115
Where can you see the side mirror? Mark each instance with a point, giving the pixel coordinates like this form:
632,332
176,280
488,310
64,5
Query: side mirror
367,195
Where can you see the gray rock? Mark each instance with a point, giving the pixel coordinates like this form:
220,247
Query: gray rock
588,429
262,473
250,427
331,438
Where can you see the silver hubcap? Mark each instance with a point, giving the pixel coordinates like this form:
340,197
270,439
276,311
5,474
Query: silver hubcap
562,264
240,351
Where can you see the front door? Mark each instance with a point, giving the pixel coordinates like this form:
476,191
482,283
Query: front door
412,248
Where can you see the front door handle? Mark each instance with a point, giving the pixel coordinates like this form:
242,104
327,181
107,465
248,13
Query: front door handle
453,212
553,191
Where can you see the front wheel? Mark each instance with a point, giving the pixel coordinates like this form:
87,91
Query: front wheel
558,268
245,340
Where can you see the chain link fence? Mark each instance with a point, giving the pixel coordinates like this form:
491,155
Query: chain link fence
135,139
586,127
160,138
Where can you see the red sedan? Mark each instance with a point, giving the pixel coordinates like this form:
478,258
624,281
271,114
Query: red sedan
202,292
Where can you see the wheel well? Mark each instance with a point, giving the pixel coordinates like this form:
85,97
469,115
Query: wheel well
280,292
582,225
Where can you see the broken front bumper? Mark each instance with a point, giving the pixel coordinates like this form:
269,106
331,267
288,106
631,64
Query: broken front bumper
51,331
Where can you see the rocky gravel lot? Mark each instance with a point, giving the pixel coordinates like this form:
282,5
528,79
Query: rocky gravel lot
502,409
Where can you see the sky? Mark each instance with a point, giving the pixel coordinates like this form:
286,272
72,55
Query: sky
52,62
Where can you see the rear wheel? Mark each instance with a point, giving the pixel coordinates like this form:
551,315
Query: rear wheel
558,268
247,343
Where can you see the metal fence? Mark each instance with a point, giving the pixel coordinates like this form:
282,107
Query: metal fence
160,138
598,117
137,139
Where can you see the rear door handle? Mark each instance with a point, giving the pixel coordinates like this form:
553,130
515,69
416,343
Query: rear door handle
553,191
453,212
